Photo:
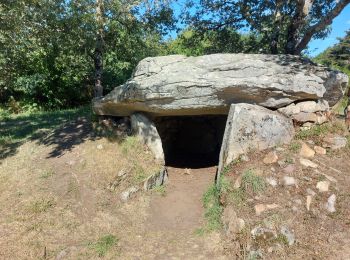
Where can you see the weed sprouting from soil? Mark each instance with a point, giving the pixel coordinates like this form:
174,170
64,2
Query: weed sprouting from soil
161,190
213,209
47,174
294,147
252,182
318,131
104,244
41,205
130,144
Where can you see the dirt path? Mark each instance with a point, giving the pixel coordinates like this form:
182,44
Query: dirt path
174,218
181,207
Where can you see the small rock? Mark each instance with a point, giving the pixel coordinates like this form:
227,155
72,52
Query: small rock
244,158
124,196
281,163
307,163
238,182
260,233
289,169
157,179
308,202
122,173
99,147
310,192
308,125
306,151
280,149
298,201
272,181
187,171
289,181
330,206
330,178
288,235
320,150
306,178
334,141
260,208
270,158
64,253
323,186
71,162
114,184
255,254
232,224
305,117
311,142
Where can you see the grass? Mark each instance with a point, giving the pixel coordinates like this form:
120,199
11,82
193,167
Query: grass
294,147
340,106
47,174
139,173
17,128
104,244
318,131
21,126
41,205
252,182
130,145
213,209
211,198
161,190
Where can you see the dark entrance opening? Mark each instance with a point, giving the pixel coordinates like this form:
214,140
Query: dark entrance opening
191,141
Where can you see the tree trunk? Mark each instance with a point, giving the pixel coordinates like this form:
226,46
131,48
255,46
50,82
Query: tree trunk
98,55
298,21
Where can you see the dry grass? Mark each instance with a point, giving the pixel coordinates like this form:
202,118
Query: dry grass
61,205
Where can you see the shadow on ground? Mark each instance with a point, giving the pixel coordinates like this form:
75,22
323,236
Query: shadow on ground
61,129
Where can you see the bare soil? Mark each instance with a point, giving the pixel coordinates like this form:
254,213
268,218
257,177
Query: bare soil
55,203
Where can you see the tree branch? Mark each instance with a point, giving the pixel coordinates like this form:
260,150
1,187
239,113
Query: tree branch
327,20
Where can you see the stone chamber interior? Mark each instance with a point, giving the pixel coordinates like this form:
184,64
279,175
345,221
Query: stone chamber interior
191,141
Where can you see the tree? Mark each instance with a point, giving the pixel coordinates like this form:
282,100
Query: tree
48,49
98,57
337,56
284,26
195,43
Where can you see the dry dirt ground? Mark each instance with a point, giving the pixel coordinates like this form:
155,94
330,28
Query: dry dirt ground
55,203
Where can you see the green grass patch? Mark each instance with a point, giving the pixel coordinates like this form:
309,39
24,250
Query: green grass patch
252,182
314,131
130,144
294,147
41,205
104,244
161,190
47,174
17,127
139,173
213,209
318,131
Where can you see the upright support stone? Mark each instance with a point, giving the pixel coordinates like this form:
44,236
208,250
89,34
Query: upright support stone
145,129
252,127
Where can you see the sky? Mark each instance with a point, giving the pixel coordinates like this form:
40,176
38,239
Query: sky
339,26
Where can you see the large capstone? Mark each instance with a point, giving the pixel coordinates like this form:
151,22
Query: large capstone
179,85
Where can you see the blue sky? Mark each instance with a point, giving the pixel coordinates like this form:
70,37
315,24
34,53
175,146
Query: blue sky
339,26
